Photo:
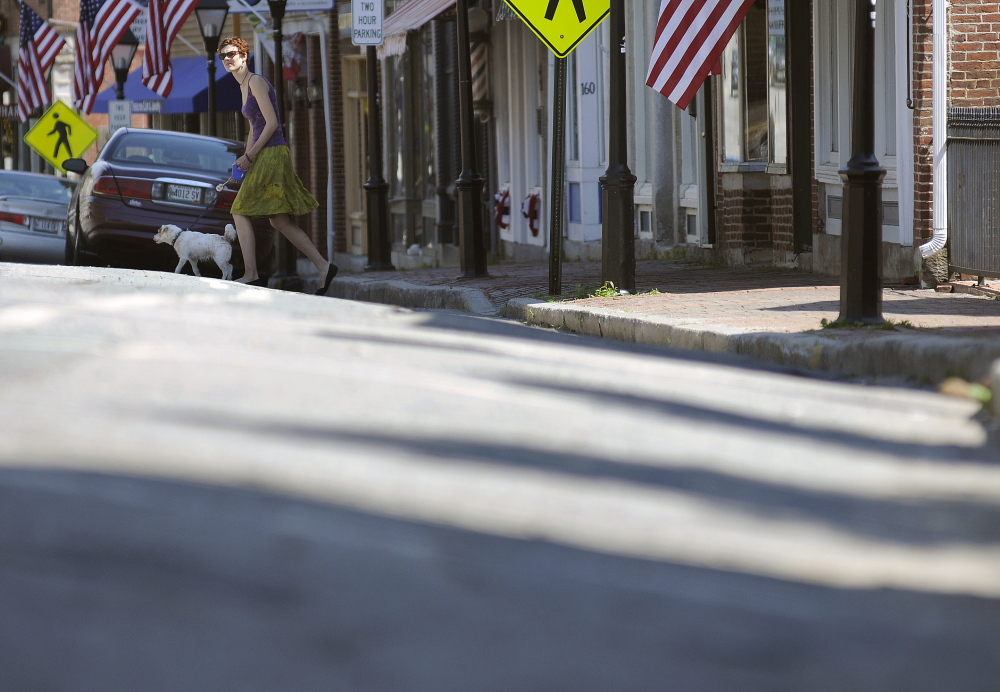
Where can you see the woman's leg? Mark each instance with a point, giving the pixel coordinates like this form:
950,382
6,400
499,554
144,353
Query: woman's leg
248,244
297,237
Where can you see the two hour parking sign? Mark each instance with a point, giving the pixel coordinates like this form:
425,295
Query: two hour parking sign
366,22
561,24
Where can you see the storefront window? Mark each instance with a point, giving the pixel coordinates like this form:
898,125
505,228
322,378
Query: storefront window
753,94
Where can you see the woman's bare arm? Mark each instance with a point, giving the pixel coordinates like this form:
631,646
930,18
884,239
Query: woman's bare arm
260,91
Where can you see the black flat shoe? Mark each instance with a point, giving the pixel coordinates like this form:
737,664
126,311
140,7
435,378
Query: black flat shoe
330,273
257,282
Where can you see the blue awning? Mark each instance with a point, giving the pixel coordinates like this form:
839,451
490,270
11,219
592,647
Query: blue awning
190,92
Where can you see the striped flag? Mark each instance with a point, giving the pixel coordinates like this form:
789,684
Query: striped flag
690,38
37,51
102,24
166,17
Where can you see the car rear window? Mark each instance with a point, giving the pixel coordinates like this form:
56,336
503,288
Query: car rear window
45,187
202,155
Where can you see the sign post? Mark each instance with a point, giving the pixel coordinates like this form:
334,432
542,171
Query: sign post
60,134
561,25
366,30
119,115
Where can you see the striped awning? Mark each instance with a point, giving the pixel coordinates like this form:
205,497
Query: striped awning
409,16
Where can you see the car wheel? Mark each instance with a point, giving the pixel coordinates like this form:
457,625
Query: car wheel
68,256
77,259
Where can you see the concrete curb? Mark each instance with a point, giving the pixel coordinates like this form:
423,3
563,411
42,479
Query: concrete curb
409,295
926,359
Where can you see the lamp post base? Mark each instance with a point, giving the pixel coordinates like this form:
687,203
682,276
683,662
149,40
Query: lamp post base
861,243
379,246
472,244
618,240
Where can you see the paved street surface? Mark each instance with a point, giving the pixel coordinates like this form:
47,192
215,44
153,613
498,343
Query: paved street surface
206,486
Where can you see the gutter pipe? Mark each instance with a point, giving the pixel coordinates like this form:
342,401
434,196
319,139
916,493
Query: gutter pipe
940,134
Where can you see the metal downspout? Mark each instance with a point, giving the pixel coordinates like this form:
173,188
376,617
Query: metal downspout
940,133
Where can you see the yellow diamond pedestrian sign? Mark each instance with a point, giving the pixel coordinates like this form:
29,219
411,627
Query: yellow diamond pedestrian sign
60,134
561,24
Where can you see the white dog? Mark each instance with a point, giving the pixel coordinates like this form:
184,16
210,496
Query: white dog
194,247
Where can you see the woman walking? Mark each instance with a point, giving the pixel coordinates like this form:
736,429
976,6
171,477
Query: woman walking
270,187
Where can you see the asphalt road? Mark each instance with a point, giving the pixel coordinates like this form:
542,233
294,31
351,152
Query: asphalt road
205,486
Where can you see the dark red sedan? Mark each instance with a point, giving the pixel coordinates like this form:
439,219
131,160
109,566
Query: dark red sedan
141,180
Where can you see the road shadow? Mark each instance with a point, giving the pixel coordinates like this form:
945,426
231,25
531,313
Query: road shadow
115,584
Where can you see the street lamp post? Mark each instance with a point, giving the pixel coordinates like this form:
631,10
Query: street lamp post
121,61
618,183
287,276
211,18
861,241
376,188
472,244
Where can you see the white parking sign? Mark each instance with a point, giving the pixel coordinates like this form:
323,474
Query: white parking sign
119,114
366,22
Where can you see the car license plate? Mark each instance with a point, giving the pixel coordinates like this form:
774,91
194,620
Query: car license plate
183,193
45,225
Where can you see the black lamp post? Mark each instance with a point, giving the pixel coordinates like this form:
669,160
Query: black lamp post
376,188
211,18
861,241
287,276
472,244
618,183
121,61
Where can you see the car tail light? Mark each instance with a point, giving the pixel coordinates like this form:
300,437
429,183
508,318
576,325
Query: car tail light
226,199
19,219
106,185
135,187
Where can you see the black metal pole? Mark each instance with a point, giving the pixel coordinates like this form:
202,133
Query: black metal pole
558,178
211,91
444,67
277,8
861,240
287,276
618,183
472,244
120,77
376,189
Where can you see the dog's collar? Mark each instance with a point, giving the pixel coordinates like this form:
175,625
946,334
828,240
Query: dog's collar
173,243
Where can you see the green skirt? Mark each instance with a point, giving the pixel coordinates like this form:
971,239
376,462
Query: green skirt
271,187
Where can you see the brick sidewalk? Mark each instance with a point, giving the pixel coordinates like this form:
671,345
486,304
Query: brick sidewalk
756,299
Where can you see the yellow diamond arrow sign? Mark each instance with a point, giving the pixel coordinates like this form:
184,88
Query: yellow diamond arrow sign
60,134
561,24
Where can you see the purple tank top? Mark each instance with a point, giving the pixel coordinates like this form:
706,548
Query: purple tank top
251,111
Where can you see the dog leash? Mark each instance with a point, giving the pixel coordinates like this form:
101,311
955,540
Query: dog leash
205,210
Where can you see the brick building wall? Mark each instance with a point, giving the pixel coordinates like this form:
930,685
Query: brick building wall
973,81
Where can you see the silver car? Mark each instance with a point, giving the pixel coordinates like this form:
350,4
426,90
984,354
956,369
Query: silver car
33,217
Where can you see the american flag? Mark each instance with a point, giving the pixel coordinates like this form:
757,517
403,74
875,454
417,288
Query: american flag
102,23
690,38
38,49
165,19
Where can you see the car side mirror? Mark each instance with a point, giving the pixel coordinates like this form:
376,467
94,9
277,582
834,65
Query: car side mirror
75,165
